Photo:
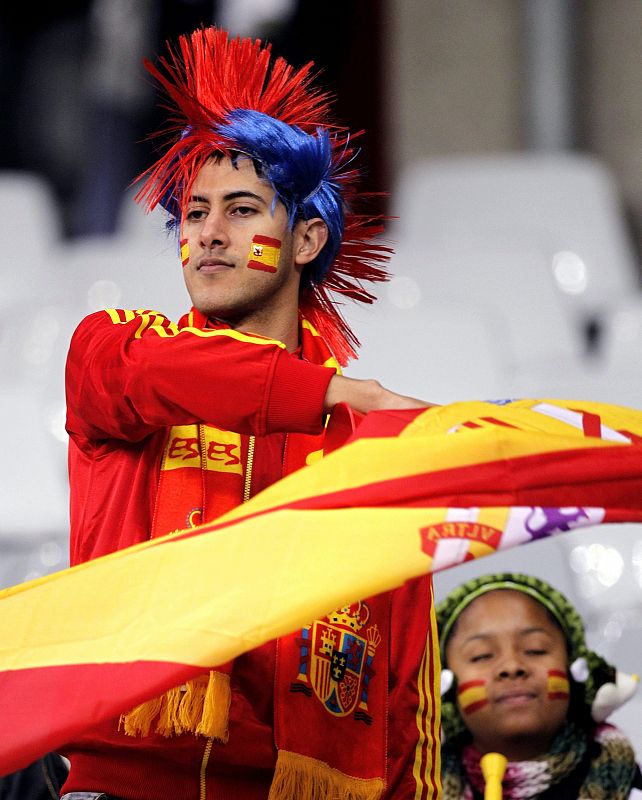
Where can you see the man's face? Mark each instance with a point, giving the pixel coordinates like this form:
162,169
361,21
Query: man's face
511,654
238,263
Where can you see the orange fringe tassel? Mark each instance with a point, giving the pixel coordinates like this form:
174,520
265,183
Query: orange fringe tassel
308,779
200,707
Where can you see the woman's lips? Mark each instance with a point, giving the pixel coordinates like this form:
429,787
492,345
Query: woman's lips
515,698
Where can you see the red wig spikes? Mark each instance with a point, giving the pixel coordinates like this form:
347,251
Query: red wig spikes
214,75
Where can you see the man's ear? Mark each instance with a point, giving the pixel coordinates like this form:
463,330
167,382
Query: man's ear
310,236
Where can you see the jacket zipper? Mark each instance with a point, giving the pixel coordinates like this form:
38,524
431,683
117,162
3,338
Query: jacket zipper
206,757
202,794
203,453
247,490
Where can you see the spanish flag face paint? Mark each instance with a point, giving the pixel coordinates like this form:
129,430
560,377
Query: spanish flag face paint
184,252
472,696
264,253
557,685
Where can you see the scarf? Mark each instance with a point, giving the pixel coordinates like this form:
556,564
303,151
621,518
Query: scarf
204,473
610,772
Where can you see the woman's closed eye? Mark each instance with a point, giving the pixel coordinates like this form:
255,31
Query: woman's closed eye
480,657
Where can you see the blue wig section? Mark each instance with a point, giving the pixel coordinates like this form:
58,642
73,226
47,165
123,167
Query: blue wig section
299,167
169,200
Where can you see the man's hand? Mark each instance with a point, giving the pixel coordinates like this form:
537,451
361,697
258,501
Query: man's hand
367,395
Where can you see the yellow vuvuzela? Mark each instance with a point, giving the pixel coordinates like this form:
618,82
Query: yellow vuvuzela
493,766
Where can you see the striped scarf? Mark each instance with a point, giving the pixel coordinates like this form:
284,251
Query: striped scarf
204,474
610,773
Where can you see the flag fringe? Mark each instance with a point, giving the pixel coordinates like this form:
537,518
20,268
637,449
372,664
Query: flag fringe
309,779
200,706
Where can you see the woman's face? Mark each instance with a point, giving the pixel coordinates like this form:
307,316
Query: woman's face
510,662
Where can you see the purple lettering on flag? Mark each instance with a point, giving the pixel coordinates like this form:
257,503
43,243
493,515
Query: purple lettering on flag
542,522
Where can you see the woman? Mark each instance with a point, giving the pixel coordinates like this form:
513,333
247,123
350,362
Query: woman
518,679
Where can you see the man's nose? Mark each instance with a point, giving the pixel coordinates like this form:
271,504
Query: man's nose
214,231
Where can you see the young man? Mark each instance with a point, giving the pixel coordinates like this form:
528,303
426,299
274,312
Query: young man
172,425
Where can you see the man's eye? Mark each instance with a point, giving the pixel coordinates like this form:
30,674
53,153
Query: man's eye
243,211
196,214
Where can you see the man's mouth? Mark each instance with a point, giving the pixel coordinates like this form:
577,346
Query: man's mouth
210,266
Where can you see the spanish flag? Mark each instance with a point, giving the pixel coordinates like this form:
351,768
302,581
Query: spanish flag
472,696
264,253
184,243
409,492
557,685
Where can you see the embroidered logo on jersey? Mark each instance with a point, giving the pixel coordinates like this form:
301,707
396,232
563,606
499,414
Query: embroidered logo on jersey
264,253
222,449
337,655
194,518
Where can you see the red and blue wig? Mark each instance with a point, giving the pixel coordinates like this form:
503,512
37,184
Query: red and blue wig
227,96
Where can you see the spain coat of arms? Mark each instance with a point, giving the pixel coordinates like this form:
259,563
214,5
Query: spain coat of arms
337,653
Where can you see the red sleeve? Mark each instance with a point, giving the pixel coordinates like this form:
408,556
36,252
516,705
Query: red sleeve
131,373
414,698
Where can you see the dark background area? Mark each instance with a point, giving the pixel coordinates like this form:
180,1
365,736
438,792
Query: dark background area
88,136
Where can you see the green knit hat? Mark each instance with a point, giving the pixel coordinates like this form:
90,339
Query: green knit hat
588,670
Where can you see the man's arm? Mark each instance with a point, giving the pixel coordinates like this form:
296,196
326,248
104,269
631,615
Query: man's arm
131,373
367,395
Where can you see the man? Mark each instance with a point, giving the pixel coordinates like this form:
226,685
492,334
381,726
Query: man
172,425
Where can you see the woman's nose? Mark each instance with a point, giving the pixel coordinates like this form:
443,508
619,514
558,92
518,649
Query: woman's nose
512,671
512,666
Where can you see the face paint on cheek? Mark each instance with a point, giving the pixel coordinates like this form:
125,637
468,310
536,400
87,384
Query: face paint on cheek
264,253
184,252
557,685
472,696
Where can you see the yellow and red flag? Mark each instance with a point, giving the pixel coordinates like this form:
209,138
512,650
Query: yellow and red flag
264,253
184,244
472,696
557,685
409,493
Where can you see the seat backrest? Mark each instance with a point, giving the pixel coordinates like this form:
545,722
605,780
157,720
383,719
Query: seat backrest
30,228
34,493
125,271
505,279
440,349
568,201
134,221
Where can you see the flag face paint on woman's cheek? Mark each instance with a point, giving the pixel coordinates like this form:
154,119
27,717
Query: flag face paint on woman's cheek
472,696
184,252
557,685
264,253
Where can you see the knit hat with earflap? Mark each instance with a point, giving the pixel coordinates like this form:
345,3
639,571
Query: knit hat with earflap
589,672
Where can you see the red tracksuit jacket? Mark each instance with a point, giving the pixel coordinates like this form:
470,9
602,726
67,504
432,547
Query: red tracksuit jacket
129,378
